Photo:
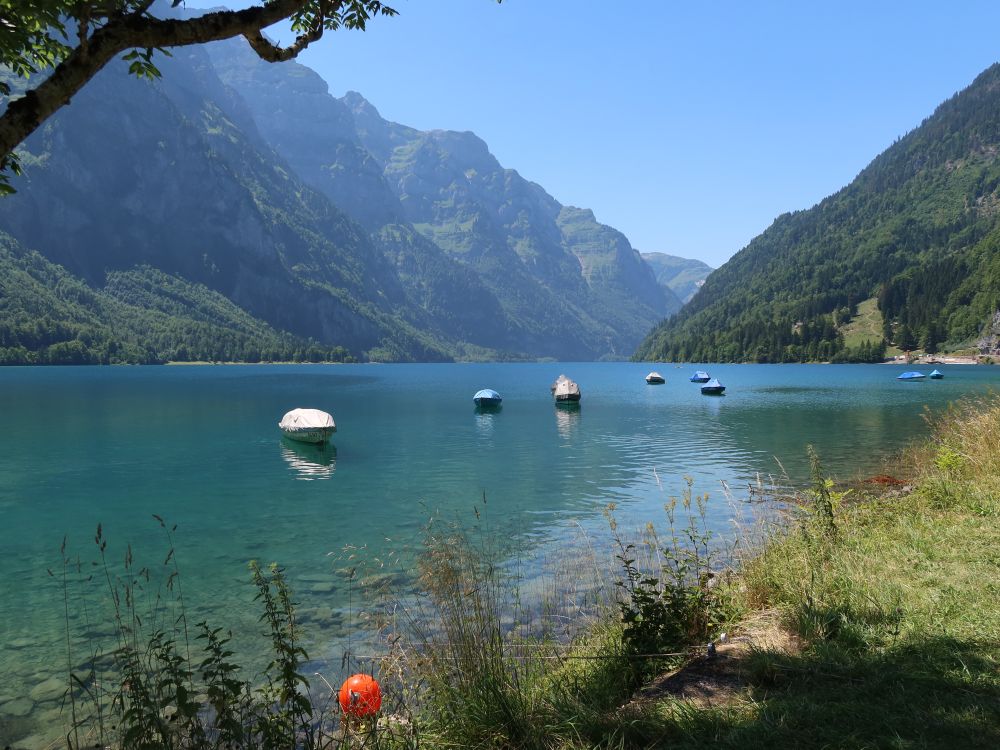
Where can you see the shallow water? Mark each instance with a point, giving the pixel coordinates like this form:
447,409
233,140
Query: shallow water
199,446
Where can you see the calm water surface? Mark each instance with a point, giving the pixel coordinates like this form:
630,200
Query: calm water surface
199,446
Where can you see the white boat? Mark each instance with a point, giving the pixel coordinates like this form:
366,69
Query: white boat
565,390
307,425
654,378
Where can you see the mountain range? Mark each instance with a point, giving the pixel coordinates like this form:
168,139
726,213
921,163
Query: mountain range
914,239
683,276
309,225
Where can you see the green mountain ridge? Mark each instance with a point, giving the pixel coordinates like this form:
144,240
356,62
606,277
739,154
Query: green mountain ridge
918,229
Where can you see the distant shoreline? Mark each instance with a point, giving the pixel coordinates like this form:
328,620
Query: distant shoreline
206,362
934,360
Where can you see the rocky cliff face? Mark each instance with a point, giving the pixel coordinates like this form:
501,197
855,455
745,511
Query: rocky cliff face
989,342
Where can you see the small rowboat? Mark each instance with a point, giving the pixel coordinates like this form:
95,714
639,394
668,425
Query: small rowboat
307,425
565,390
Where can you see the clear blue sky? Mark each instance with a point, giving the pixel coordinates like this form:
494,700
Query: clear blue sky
688,126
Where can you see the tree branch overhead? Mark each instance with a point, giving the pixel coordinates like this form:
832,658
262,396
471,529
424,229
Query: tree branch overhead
35,37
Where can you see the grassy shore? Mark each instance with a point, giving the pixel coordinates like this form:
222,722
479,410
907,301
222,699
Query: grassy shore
892,613
869,617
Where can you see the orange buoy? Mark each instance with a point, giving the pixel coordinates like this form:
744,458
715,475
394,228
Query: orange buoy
360,695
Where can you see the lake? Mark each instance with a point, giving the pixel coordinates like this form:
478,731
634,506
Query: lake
199,446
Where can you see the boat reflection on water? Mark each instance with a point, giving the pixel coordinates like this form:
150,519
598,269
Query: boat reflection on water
310,461
567,417
484,420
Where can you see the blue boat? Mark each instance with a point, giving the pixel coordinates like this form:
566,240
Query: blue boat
487,398
936,375
713,388
700,377
913,375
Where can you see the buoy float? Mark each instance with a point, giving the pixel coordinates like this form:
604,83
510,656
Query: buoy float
360,695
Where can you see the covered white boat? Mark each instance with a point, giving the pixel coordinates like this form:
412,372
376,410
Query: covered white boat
307,425
565,390
654,378
487,398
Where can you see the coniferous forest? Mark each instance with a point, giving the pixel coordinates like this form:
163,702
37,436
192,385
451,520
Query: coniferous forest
918,230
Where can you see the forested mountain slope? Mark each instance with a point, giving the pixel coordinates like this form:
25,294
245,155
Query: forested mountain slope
919,229
141,316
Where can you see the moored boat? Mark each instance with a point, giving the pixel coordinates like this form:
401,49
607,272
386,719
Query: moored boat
936,375
912,375
307,425
654,378
713,388
565,390
700,377
487,398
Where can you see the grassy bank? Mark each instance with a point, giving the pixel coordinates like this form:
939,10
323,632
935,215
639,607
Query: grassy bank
860,617
869,617
892,607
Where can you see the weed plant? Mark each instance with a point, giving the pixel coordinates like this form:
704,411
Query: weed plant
668,597
164,685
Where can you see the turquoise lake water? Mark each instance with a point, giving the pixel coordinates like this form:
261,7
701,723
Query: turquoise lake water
199,446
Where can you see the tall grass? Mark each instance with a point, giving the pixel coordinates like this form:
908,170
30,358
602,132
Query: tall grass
491,669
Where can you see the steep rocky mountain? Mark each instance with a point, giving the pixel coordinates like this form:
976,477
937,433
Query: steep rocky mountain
557,272
918,230
547,279
683,276
322,221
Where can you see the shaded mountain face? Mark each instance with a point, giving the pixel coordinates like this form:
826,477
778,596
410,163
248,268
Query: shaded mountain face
683,276
492,245
321,220
918,230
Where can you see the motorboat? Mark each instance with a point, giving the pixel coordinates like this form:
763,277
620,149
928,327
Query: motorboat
936,375
307,425
700,377
654,378
565,390
913,375
487,398
713,387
